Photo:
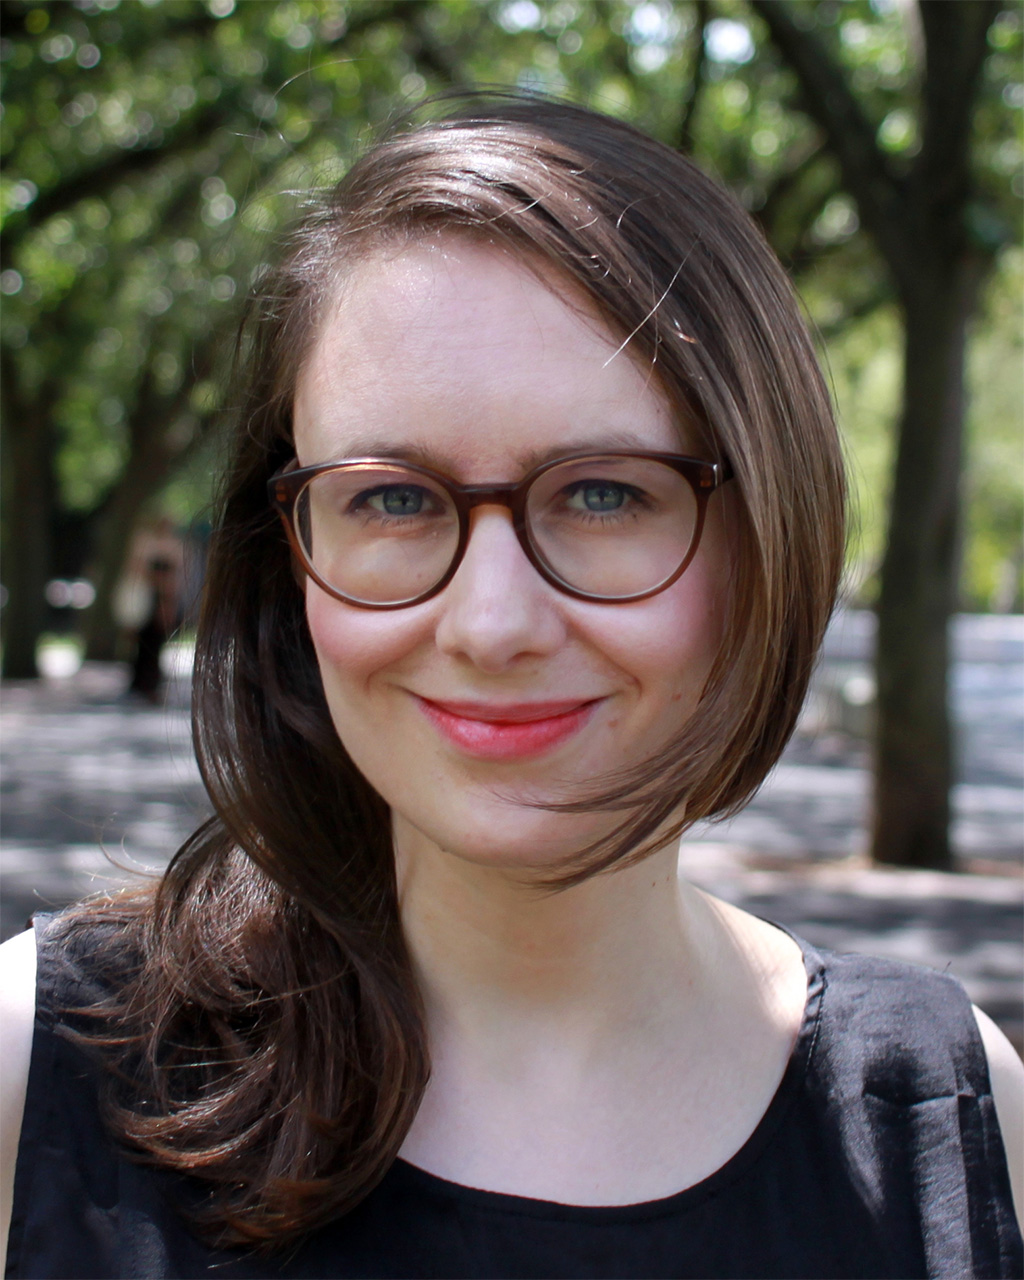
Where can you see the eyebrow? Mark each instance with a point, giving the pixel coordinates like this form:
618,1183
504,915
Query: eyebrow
423,455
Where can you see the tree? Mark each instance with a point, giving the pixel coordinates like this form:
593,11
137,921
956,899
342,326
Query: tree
149,151
144,152
924,218
127,128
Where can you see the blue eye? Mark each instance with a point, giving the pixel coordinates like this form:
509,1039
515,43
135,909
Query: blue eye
399,500
599,496
604,496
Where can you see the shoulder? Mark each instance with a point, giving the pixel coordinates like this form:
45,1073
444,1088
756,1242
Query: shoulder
17,1015
911,1080
904,1034
56,981
1006,1073
893,1012
899,1033
71,964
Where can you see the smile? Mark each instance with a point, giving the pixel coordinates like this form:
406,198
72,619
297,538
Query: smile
513,731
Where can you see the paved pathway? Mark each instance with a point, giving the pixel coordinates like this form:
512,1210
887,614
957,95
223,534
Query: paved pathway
97,788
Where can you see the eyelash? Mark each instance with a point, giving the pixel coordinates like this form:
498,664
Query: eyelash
361,505
636,498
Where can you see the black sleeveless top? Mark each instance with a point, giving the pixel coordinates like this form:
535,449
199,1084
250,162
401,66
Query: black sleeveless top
880,1155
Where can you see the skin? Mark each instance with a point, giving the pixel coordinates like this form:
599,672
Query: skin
457,356
618,1041
584,1036
569,1033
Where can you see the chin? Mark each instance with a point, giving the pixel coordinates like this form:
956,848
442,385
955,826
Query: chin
529,840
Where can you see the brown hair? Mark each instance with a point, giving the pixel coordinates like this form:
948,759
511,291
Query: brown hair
277,1045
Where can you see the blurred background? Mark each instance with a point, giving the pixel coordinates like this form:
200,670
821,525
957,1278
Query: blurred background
151,149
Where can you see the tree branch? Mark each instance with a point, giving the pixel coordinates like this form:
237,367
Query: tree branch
703,10
858,310
829,102
783,185
115,168
375,12
120,165
427,52
955,34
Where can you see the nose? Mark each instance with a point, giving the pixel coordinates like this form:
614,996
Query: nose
497,609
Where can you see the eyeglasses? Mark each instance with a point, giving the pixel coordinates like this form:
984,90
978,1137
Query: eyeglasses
384,534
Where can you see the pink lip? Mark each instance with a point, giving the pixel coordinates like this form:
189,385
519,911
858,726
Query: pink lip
509,731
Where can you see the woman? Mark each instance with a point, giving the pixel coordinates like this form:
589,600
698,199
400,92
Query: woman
561,526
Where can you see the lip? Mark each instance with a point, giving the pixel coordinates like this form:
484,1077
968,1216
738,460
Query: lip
508,731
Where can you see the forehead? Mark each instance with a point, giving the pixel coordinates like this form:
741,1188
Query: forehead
456,347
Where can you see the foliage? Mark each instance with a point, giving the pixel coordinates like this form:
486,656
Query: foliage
994,570
864,362
150,149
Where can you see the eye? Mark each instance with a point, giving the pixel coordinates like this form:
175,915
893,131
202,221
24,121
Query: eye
600,496
399,500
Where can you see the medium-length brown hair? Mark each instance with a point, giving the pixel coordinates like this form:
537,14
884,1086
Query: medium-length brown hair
276,1040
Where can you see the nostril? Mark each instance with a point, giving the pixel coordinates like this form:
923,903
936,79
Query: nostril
497,608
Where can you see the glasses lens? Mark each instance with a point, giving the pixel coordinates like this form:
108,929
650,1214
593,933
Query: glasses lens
377,533
612,526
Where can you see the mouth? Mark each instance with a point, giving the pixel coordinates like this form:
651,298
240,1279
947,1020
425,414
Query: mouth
510,731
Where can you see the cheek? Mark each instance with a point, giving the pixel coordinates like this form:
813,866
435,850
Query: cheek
686,637
668,644
352,644
699,602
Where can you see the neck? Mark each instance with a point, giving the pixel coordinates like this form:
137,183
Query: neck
493,952
577,1038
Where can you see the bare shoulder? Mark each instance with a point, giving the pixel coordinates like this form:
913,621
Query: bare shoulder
773,955
1006,1072
17,1014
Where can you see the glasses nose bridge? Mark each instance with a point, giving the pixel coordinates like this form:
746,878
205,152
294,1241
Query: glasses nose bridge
508,495
511,496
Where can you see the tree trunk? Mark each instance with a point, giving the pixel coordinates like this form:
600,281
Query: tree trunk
914,763
28,515
156,449
918,219
112,542
147,470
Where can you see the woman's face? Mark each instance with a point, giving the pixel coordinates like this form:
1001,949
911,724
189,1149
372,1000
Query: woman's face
500,690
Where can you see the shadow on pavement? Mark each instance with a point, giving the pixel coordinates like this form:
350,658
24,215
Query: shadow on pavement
98,789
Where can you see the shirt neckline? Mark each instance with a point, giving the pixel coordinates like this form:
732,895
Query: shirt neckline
412,1177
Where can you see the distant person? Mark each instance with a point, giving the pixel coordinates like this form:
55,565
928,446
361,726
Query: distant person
531,531
147,676
150,600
